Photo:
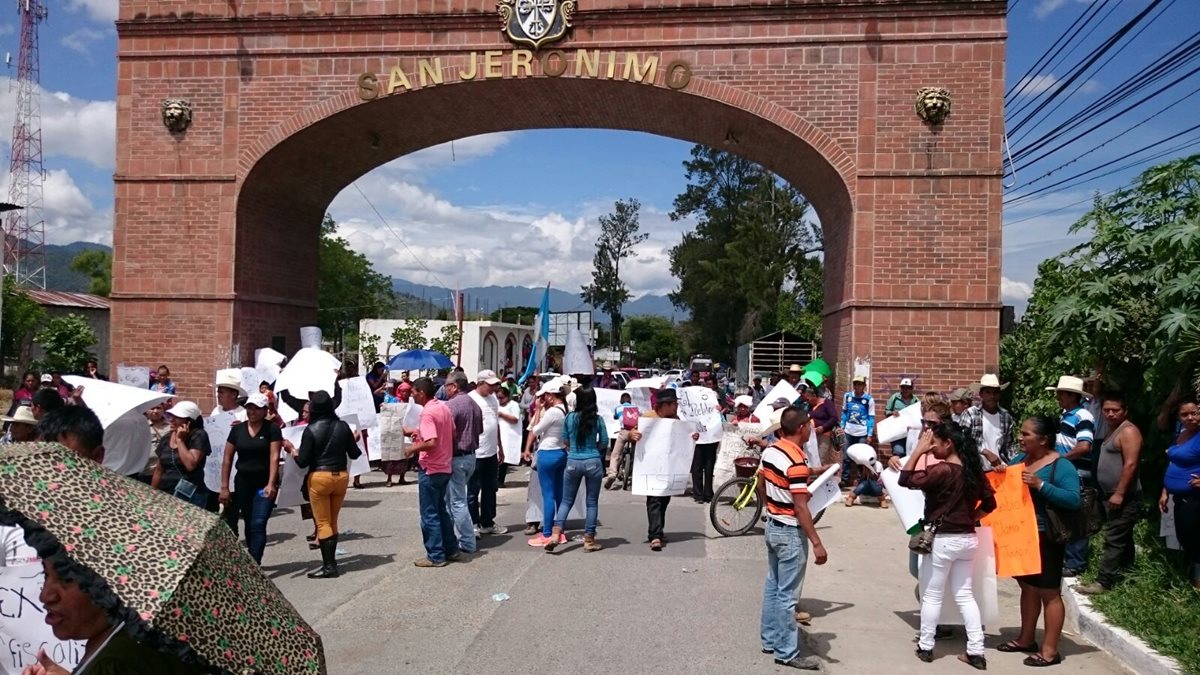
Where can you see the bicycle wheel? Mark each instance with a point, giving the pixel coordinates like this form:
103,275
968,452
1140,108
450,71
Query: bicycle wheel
735,507
626,471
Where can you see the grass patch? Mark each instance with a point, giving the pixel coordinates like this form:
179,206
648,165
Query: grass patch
1156,602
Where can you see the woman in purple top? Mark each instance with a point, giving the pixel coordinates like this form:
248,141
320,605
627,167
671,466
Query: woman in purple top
824,415
1182,481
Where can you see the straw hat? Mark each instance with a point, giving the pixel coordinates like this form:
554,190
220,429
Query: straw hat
1068,383
990,380
22,415
231,379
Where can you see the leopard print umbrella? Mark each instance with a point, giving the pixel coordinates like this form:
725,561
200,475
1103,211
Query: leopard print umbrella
174,573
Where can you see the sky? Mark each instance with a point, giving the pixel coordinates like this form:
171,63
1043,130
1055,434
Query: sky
467,191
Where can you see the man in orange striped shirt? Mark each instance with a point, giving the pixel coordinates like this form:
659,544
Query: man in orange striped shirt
784,473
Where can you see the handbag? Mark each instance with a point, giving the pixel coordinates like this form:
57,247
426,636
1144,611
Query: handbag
921,543
1064,526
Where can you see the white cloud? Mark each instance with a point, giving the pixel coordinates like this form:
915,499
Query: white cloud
68,213
1037,84
71,127
8,29
1047,7
1014,291
98,10
81,40
462,150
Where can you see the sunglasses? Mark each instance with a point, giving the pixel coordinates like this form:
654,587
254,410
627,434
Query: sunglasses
929,424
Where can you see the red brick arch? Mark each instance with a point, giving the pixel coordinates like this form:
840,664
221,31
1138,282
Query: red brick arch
819,91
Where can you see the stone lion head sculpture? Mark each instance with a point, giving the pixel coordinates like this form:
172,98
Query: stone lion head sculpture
176,114
933,104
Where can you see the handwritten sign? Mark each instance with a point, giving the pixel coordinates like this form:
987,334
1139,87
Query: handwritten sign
133,376
1014,525
607,401
824,491
1166,526
357,400
293,475
218,427
699,405
23,628
662,461
782,390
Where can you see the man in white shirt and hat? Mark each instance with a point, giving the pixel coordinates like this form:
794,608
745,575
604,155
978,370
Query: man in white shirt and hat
992,427
229,395
484,481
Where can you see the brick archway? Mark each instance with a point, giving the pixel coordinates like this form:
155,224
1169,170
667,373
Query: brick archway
820,92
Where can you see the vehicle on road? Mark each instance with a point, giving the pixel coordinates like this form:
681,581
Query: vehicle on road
737,506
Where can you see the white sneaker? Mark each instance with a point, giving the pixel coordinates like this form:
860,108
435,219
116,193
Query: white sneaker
495,529
479,530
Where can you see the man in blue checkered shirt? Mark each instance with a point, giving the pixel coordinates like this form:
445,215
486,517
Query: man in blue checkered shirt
1076,431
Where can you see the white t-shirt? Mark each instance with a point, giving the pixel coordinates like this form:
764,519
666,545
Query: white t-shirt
991,431
549,429
489,436
239,413
15,551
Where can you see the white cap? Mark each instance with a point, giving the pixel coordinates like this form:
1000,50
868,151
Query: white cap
906,382
488,377
185,409
258,400
744,400
554,386
47,377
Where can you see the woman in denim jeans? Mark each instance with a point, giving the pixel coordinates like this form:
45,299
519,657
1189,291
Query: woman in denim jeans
584,433
255,445
182,455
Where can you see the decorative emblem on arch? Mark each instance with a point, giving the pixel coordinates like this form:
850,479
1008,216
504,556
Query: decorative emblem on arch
535,22
933,104
176,114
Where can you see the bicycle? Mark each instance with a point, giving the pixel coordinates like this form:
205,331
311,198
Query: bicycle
736,505
624,479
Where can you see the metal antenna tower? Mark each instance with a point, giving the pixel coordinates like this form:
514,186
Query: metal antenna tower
25,228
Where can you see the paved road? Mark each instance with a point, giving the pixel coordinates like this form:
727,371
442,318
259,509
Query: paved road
692,608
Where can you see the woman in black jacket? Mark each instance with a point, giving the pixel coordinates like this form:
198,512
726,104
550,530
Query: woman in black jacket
326,449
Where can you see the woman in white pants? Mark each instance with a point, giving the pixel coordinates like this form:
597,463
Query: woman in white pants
952,489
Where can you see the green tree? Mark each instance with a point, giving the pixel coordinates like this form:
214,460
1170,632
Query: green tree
619,234
21,318
66,340
409,335
653,338
368,349
96,265
519,314
349,289
751,245
447,341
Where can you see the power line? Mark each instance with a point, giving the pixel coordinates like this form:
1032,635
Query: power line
1052,51
1061,208
397,236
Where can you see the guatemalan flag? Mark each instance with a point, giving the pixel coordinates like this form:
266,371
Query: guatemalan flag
541,324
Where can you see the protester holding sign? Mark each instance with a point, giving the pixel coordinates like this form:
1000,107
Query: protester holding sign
255,444
182,455
953,488
666,406
1054,484
327,445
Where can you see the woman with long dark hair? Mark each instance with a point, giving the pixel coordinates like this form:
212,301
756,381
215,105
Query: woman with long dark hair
952,487
327,446
1182,481
182,455
1054,483
584,433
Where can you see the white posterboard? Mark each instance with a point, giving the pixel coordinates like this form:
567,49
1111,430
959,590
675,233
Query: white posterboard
699,405
110,400
894,428
266,364
309,370
250,379
983,583
824,491
133,376
23,626
662,462
577,360
909,504
358,401
127,444
1166,526
782,390
391,430
607,400
862,367
533,501
361,464
510,440
293,475
310,337
218,427
374,444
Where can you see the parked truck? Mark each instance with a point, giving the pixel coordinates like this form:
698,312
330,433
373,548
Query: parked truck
772,353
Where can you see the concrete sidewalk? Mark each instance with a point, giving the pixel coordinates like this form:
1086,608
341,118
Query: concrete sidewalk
694,607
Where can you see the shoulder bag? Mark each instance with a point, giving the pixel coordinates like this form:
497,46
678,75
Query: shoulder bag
922,542
1063,525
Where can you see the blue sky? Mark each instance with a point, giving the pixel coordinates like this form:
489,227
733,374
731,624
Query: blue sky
499,226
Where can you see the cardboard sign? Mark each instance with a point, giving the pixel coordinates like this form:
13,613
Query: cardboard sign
1014,525
699,405
662,461
23,626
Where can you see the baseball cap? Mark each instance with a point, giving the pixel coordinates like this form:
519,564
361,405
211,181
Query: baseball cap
859,378
258,400
47,377
488,377
185,409
906,382
744,400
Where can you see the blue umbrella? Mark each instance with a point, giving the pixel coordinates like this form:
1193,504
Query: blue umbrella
419,359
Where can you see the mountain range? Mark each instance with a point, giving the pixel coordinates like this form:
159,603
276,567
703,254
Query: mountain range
487,299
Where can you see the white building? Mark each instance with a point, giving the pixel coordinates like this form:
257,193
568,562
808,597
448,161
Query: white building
486,345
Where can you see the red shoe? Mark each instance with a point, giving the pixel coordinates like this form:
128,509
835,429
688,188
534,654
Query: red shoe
539,541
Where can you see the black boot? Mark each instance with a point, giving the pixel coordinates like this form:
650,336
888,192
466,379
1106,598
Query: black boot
328,561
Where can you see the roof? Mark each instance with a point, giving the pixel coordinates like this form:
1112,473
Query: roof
67,299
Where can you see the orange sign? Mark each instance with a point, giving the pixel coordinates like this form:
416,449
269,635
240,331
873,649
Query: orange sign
1014,525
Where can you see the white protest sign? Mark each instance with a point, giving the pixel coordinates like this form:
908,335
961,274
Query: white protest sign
533,501
133,376
293,475
894,428
699,405
733,446
23,623
983,582
577,360
662,461
310,337
862,367
863,454
607,401
374,444
782,390
250,380
266,364
1166,526
391,430
358,401
909,504
217,427
309,370
127,444
110,400
361,464
510,440
824,491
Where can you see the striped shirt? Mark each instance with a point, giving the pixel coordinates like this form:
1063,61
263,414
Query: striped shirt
785,472
1075,426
